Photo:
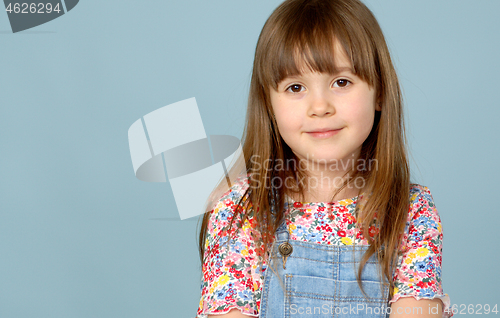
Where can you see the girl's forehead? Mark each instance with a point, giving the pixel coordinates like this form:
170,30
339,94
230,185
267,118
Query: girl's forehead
306,61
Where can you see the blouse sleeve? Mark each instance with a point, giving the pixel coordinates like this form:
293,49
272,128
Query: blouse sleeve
231,275
418,274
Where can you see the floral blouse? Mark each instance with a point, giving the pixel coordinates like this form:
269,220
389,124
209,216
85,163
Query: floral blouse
232,277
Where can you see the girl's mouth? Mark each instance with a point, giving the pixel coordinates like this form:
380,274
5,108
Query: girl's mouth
324,133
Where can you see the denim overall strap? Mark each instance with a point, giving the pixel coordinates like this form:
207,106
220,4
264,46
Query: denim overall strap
320,281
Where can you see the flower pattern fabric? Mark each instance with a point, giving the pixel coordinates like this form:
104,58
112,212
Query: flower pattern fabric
232,277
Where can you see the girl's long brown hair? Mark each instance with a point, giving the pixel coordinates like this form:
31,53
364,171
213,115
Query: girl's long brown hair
301,31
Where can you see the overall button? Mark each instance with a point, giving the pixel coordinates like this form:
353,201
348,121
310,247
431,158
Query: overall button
285,250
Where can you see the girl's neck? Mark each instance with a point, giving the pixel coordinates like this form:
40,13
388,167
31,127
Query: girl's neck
326,196
326,182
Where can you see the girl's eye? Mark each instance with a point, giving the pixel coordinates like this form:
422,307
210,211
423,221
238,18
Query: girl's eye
341,83
295,88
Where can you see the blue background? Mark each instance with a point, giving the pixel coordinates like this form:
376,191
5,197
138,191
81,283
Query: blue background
80,236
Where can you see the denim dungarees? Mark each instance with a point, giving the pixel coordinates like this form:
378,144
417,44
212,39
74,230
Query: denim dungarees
320,281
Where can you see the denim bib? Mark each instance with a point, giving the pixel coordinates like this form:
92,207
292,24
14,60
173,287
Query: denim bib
320,281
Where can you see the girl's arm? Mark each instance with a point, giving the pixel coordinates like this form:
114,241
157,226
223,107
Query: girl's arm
418,274
409,307
234,313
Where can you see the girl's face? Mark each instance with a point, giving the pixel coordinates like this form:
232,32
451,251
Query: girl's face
323,116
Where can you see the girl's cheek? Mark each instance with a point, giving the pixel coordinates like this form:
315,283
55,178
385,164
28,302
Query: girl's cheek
362,107
290,121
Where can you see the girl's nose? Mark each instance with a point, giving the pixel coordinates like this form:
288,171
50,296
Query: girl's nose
320,105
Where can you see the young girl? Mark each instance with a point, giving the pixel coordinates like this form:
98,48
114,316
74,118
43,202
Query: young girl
324,221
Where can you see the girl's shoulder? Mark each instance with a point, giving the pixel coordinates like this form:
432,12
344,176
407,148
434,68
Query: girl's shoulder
229,198
234,193
418,188
421,203
420,194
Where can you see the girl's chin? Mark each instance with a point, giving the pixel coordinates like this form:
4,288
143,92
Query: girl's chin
327,158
